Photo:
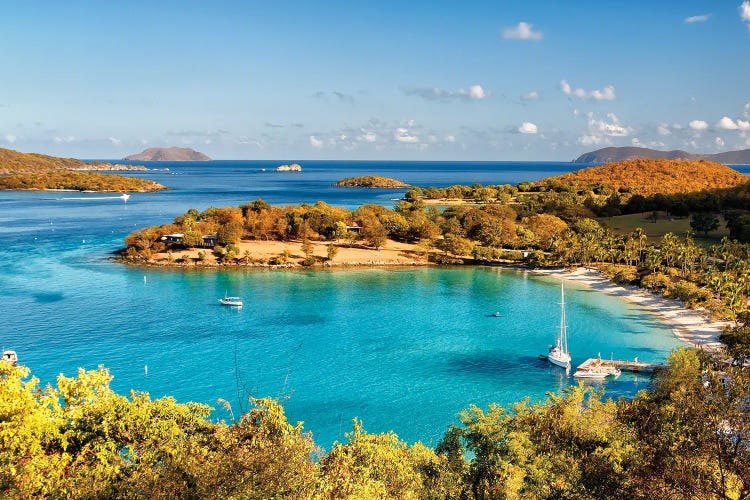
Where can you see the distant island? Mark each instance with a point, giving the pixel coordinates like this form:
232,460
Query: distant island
31,171
607,155
294,167
371,181
168,154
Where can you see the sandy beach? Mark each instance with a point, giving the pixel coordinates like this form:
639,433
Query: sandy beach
692,326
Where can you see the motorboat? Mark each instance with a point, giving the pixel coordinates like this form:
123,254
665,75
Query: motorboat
231,301
10,357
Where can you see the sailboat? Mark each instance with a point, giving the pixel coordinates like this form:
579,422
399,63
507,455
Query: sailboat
558,353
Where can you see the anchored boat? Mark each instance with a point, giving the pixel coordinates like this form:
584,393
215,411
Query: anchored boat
558,354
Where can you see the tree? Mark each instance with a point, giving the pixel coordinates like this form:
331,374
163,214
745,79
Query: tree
704,222
307,246
332,251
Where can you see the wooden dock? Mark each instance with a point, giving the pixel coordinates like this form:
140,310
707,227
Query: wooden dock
623,365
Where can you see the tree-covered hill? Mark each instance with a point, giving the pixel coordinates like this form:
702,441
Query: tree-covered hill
649,177
36,171
371,181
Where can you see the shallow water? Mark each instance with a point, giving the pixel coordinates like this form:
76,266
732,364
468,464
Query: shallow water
402,349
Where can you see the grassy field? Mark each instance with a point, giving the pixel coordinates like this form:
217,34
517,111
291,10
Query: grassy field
623,224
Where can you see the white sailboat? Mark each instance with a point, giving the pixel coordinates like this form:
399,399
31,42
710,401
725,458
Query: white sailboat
558,353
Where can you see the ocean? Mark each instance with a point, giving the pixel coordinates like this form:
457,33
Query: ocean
401,349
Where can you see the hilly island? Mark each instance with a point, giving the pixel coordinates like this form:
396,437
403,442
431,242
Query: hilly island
606,155
30,171
168,154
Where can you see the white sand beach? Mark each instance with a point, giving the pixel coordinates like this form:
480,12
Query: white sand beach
692,326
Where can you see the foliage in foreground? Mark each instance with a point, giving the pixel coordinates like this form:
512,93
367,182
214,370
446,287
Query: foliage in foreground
686,438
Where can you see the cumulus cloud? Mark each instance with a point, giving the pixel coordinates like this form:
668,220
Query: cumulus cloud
402,134
698,125
600,131
745,12
474,93
530,96
315,142
527,128
719,142
367,136
743,125
727,124
115,141
697,19
524,31
10,138
663,129
605,94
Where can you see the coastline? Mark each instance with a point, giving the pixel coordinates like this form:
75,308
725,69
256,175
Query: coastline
691,326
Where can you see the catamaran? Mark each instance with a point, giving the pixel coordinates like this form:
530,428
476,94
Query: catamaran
558,353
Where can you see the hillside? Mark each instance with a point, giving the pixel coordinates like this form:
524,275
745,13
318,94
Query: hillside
648,177
607,155
371,181
15,162
36,171
169,154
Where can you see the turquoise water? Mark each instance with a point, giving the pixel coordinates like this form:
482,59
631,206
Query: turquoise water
402,349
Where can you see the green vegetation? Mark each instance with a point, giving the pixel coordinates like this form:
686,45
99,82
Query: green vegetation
370,181
684,438
78,181
35,171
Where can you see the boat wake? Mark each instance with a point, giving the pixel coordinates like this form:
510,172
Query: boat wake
123,197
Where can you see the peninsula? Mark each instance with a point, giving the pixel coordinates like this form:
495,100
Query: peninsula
168,154
612,154
31,171
371,181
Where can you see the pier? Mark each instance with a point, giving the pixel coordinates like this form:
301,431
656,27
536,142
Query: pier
622,365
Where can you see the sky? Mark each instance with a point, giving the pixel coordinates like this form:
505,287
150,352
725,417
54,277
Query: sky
417,80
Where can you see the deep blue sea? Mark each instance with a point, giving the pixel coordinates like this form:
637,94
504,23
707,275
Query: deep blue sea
401,349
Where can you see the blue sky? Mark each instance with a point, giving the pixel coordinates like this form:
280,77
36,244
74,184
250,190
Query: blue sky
422,80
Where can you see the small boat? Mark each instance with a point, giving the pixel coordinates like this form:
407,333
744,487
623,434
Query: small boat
124,197
231,301
10,357
496,314
558,353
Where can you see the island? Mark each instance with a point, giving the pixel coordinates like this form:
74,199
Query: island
294,167
31,171
614,154
168,154
371,181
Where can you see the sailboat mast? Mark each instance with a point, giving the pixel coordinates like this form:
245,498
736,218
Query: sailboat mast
563,341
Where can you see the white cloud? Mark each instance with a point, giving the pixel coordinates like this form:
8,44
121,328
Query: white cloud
67,139
663,129
605,94
745,11
719,142
315,142
10,138
697,19
527,128
474,93
530,96
403,135
743,125
450,138
524,31
600,131
115,141
698,125
727,124
477,92
367,136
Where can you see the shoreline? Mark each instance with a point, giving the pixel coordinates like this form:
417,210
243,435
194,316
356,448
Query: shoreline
692,326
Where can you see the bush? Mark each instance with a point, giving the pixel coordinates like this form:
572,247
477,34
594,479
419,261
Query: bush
657,282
